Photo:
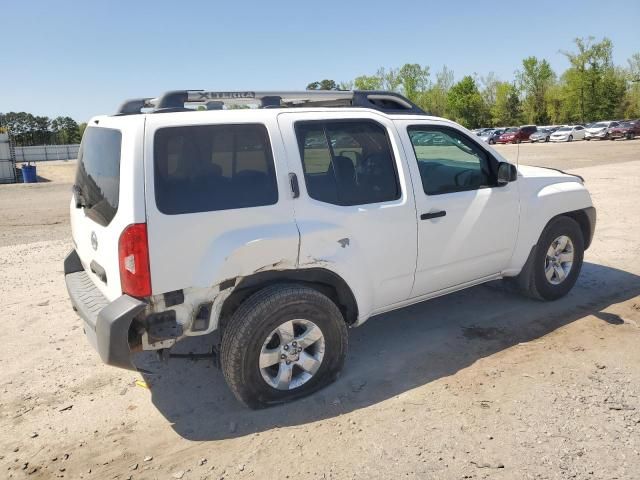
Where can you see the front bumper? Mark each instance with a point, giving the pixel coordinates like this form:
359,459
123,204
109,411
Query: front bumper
106,324
619,134
596,135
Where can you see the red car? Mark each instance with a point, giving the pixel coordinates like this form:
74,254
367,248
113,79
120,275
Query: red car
628,130
517,134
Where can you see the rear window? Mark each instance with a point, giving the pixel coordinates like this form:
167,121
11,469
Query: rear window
205,168
98,176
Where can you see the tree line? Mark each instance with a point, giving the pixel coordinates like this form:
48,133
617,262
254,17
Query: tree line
27,129
591,89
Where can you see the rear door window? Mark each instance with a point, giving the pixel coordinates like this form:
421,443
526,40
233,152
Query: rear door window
347,162
97,185
204,168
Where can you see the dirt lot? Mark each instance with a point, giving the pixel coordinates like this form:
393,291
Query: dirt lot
479,384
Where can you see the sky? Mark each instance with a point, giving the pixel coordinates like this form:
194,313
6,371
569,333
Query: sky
83,58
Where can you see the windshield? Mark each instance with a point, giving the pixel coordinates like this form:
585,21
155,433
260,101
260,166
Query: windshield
511,130
626,124
600,125
564,129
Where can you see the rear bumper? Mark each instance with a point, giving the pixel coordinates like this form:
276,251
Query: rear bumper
106,324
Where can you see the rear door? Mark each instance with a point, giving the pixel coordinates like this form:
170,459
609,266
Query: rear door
356,213
217,198
109,165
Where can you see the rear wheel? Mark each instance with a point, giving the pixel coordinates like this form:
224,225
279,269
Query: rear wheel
283,343
555,263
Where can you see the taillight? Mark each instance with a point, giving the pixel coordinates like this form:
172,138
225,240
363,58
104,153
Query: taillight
133,256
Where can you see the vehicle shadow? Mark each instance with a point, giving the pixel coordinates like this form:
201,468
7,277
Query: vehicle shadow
389,355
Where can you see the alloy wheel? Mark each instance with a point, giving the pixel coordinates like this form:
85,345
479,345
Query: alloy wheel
292,354
559,260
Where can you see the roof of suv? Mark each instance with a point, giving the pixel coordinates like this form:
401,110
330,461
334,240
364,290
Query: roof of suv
190,100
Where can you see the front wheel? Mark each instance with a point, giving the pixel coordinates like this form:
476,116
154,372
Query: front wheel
555,263
284,342
570,139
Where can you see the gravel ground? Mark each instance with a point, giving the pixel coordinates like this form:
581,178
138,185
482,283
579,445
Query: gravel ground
478,384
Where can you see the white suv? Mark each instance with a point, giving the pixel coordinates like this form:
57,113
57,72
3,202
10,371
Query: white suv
279,227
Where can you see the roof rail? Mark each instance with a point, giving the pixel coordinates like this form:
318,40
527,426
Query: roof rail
177,100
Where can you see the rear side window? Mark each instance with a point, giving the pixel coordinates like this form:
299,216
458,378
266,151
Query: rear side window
205,168
98,176
347,162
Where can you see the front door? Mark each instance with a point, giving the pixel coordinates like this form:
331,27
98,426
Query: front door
467,224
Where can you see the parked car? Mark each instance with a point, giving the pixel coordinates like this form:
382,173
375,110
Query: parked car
188,222
627,129
481,131
599,130
542,134
517,134
568,133
491,136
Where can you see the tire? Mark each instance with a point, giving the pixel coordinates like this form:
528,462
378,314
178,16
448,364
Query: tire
256,321
570,139
492,142
533,281
546,140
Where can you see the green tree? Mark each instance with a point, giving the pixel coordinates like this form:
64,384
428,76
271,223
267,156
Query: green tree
323,85
535,80
593,87
434,100
506,110
66,130
631,104
81,128
414,80
367,82
465,104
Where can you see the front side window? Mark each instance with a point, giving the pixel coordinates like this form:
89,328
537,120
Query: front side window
203,168
347,162
450,162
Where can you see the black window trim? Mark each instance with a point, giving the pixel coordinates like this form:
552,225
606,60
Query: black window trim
269,150
493,161
323,122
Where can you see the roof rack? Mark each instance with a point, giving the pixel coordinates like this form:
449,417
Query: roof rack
177,100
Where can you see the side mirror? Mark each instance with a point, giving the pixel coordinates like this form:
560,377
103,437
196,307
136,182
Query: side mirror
507,172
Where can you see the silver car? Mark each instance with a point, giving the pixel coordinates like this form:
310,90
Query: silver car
490,136
543,134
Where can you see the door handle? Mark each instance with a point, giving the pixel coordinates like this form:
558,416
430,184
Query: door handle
438,214
295,188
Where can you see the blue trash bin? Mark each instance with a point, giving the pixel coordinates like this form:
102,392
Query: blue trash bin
29,174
